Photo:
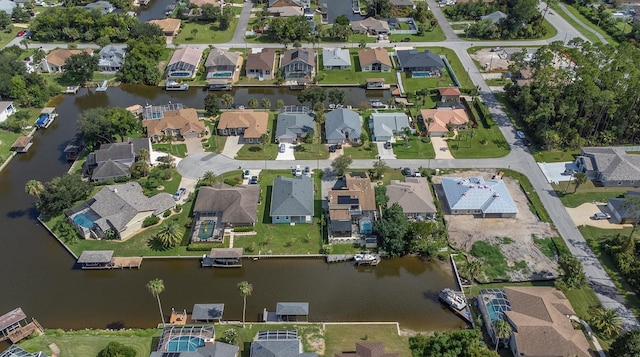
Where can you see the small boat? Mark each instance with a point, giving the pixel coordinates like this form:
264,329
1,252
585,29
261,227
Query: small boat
103,87
453,300
378,104
173,85
47,116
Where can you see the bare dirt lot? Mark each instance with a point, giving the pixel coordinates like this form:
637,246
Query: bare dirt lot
465,230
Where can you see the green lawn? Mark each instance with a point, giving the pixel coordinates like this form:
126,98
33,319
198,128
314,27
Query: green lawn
6,37
535,204
587,192
456,65
7,139
341,338
306,332
436,35
556,156
366,151
485,141
586,33
418,148
206,33
215,142
266,151
282,238
86,343
411,85
551,32
354,75
594,236
175,149
313,151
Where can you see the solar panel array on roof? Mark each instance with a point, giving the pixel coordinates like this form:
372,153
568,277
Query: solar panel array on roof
347,200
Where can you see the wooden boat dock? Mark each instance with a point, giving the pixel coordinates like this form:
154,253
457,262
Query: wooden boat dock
14,326
104,259
103,87
336,258
464,314
71,90
223,258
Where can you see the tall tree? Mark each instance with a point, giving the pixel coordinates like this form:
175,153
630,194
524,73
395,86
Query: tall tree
170,233
211,104
227,100
34,188
253,103
62,193
155,287
579,178
502,329
626,344
336,96
392,229
631,205
265,103
209,178
245,290
79,68
606,321
379,167
340,164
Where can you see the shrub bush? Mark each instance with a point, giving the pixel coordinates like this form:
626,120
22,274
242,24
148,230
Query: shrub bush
166,213
203,247
150,221
243,229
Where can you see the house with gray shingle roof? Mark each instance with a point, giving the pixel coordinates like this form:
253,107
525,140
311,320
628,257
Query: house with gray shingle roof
494,17
610,166
343,126
474,195
336,58
413,195
223,64
622,211
292,200
120,208
111,58
385,126
113,160
278,343
294,124
184,63
420,64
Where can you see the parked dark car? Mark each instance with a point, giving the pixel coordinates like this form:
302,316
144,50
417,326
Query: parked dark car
253,180
332,148
407,171
406,39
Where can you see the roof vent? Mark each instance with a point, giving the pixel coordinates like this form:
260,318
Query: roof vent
495,194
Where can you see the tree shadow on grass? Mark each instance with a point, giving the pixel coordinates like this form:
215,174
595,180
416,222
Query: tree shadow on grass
156,245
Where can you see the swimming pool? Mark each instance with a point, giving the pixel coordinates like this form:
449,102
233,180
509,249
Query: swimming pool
83,220
206,229
366,227
420,75
494,311
184,344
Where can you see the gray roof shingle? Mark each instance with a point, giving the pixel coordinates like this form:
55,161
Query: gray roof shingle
413,195
613,163
290,125
387,124
95,256
205,312
341,121
292,196
408,59
292,308
336,57
239,204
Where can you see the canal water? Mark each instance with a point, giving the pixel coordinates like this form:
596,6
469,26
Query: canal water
38,273
155,10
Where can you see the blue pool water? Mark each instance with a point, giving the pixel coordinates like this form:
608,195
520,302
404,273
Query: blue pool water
83,220
420,75
222,75
184,344
493,311
156,115
366,227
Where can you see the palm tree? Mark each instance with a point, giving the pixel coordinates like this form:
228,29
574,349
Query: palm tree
606,321
474,268
208,178
156,286
25,43
227,100
253,103
502,330
194,32
265,103
143,155
578,179
245,290
170,234
34,188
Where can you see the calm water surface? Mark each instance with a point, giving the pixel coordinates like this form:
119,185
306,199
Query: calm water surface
38,274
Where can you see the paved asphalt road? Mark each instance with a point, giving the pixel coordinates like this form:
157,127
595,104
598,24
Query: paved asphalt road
518,159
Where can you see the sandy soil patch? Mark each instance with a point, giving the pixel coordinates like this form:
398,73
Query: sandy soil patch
316,342
582,214
465,230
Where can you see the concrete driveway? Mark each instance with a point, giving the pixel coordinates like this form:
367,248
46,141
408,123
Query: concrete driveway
582,214
553,170
288,153
385,154
194,145
441,148
232,146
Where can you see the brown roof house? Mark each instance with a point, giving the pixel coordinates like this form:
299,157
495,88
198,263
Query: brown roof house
262,65
225,206
368,349
414,196
438,121
374,60
181,123
370,26
248,123
223,64
54,61
199,3
540,321
299,64
120,209
169,26
351,202
450,94
184,63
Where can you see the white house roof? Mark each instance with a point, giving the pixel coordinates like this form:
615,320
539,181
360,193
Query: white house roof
474,193
336,57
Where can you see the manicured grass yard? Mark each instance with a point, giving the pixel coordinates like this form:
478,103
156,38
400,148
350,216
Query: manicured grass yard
555,156
306,332
206,33
85,343
339,338
313,151
418,148
456,65
486,143
215,142
7,139
366,151
175,149
6,37
428,36
354,75
587,192
282,238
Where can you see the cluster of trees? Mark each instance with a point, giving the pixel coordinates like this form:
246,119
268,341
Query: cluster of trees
464,343
221,15
286,30
59,194
119,4
25,89
117,349
80,68
622,250
600,15
626,344
145,48
70,24
341,29
398,236
523,19
594,102
102,126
